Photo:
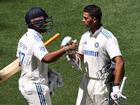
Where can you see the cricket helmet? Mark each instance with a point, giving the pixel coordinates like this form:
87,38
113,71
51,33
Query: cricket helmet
38,19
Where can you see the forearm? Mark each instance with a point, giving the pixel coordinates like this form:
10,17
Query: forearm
56,54
52,56
119,70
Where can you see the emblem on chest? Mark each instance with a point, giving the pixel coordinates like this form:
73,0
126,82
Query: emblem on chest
96,45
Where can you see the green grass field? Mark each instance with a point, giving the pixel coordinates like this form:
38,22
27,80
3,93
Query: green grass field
119,16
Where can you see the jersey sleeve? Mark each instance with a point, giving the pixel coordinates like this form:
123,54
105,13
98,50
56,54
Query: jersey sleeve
112,47
39,50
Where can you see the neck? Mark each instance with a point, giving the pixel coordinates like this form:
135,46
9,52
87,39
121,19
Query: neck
94,28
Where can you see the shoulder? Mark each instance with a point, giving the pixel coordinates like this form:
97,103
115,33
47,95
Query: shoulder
85,35
34,37
107,34
23,38
107,37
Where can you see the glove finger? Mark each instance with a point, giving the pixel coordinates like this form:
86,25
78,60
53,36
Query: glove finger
123,97
116,102
120,101
66,40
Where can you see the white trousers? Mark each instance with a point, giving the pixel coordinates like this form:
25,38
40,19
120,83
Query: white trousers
35,94
92,92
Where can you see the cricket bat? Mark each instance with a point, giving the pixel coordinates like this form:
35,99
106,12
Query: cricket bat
122,84
14,67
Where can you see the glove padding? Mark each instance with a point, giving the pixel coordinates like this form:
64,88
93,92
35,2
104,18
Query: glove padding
109,72
55,80
117,96
67,40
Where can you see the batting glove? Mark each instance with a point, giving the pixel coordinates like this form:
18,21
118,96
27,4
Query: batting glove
76,63
67,40
117,96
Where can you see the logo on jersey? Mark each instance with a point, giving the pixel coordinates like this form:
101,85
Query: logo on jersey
37,37
96,44
91,53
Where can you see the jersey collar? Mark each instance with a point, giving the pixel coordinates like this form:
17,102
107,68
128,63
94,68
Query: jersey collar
35,32
96,32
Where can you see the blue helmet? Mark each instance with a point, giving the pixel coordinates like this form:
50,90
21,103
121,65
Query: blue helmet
38,19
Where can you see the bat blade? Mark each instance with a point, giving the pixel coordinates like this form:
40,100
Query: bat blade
9,70
14,67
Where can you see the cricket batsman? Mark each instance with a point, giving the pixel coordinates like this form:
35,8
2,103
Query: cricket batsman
98,48
34,57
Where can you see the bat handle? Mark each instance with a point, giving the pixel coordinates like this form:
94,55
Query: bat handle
52,39
122,84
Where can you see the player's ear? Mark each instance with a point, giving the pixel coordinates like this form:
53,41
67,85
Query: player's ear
94,19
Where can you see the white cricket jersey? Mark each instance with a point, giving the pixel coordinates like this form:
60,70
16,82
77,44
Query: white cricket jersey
31,51
98,49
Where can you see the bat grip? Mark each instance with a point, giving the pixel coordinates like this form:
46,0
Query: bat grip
51,39
122,84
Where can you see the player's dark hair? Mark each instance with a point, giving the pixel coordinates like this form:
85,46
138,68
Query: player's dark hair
94,11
